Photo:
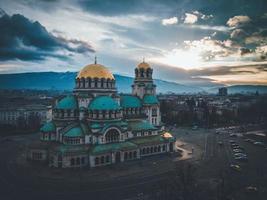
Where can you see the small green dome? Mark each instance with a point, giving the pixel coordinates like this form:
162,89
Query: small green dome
103,103
150,99
129,101
48,127
67,103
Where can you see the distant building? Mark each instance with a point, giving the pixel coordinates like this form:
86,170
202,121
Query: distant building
223,91
15,115
95,126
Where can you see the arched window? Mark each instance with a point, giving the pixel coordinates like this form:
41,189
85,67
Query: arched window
144,151
151,149
72,162
89,82
159,149
107,158
147,150
142,72
102,159
78,161
135,154
155,149
130,155
96,161
102,82
147,73
164,147
112,136
82,160
95,80
125,155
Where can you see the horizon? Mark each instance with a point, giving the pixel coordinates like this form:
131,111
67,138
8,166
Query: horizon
187,42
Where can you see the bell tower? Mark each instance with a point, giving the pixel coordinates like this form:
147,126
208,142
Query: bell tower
143,82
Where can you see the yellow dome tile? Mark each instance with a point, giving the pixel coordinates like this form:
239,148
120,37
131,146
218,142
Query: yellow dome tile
144,65
95,71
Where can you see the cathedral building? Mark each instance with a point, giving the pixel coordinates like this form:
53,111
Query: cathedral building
95,126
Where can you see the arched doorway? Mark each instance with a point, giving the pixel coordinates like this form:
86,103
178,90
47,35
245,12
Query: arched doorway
112,135
118,157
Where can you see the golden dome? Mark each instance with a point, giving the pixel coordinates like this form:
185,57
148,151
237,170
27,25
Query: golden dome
167,135
95,71
144,65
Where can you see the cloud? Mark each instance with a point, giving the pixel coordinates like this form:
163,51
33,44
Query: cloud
239,20
190,18
230,70
238,34
169,21
202,16
26,40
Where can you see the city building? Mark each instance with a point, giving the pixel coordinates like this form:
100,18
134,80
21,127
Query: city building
14,115
222,91
95,126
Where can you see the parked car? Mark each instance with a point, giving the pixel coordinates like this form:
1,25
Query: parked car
251,189
237,147
233,135
241,159
235,167
234,144
259,143
220,143
232,141
240,154
237,150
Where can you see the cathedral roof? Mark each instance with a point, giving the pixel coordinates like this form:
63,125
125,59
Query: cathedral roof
48,127
95,71
104,148
129,101
68,102
103,103
75,132
154,139
139,125
150,99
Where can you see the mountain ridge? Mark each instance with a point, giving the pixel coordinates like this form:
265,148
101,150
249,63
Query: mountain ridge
65,81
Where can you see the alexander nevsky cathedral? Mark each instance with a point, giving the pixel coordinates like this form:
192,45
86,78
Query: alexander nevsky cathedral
95,126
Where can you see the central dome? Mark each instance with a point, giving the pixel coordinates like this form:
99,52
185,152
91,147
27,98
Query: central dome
95,71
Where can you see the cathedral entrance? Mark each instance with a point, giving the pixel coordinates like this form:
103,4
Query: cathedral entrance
118,157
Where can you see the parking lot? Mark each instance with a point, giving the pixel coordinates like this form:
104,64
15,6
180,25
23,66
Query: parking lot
237,164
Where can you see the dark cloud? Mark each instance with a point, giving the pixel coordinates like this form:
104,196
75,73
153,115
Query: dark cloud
244,51
124,7
23,39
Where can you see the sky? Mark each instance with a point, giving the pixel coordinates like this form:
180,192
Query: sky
195,42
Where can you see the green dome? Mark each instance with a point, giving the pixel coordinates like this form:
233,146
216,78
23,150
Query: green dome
103,103
48,127
129,101
67,103
150,99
